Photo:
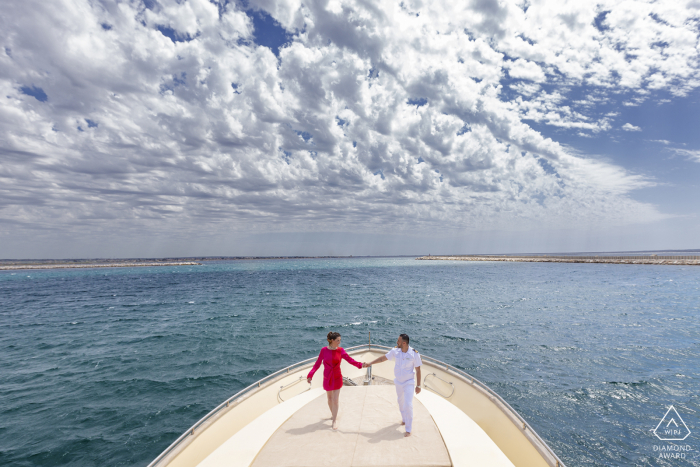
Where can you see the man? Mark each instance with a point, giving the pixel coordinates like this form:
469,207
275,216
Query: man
405,359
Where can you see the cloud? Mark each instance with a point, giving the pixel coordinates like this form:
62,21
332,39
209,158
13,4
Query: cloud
525,70
170,116
691,155
630,127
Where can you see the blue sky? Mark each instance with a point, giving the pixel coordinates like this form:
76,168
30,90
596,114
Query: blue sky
206,127
665,128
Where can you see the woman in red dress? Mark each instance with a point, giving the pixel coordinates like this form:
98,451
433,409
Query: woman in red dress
331,357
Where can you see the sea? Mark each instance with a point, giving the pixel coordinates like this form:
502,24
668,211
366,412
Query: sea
107,367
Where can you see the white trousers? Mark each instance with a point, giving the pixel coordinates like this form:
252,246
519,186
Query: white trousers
404,393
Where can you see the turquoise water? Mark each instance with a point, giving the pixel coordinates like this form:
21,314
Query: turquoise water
109,366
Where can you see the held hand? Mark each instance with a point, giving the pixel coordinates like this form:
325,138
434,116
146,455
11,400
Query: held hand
308,380
417,389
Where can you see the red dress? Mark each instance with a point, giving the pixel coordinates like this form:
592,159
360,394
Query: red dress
332,378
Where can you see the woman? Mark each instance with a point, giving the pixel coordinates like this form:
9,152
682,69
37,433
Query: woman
331,357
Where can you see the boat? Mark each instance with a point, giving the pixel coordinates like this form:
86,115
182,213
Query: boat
282,421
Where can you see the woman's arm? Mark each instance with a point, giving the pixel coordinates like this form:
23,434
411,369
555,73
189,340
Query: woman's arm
316,365
349,359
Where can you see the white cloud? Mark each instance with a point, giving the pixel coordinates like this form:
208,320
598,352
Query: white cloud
630,127
523,69
375,116
692,155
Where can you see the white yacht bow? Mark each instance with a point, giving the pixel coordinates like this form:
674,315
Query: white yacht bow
281,421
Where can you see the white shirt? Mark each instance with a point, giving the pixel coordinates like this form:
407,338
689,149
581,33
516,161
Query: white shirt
405,362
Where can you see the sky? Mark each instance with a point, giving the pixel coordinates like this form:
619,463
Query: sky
347,127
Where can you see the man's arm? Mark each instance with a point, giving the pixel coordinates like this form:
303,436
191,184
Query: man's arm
379,360
418,379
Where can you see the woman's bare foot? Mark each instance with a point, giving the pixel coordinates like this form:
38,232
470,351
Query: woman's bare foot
406,435
403,423
335,424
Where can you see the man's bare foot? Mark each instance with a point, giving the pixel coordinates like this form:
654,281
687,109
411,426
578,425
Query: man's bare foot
406,435
335,424
403,423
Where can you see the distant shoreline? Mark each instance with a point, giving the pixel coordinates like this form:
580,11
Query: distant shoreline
23,267
18,264
683,260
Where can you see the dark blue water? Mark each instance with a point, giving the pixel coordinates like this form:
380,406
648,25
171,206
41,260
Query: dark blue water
108,367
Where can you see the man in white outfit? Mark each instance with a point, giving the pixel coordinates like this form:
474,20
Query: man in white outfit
405,359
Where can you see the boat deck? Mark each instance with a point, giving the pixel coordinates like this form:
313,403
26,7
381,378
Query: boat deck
369,434
297,433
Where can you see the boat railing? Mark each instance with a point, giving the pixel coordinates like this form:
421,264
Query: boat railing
282,388
435,390
271,378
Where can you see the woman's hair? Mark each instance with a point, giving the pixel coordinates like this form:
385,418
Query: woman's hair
332,336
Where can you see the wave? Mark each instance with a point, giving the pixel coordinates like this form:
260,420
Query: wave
459,339
625,383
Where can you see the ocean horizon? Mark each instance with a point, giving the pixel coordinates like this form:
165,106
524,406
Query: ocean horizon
347,256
